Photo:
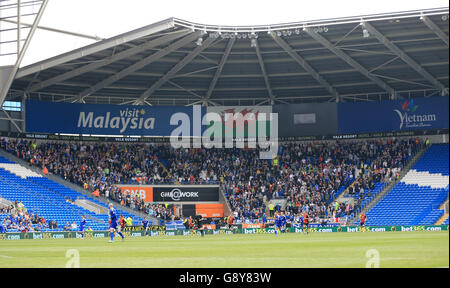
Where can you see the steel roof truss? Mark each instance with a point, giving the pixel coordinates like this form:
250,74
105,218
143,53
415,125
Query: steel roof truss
224,59
302,62
338,52
186,60
115,57
408,60
139,65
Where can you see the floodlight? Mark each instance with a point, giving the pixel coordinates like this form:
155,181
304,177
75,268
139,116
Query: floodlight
366,33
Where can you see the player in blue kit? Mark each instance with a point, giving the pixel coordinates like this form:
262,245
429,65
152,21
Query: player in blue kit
277,224
145,224
113,227
283,221
82,225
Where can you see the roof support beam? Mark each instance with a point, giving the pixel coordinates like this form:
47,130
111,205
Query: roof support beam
7,81
384,64
408,60
13,121
96,38
301,61
196,71
139,65
171,73
182,88
225,55
338,52
433,27
404,81
263,70
96,47
119,56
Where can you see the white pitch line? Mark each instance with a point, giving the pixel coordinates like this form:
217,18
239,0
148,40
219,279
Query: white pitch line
4,256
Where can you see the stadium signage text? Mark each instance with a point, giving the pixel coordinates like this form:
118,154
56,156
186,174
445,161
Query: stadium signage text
409,119
176,194
165,193
186,193
129,119
393,115
101,119
143,193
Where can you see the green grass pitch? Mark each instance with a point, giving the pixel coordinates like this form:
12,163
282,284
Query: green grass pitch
395,249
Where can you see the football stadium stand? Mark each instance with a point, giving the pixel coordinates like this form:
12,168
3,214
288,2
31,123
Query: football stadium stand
417,198
307,176
77,125
50,200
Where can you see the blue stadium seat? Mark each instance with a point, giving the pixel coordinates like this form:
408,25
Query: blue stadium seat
412,204
51,200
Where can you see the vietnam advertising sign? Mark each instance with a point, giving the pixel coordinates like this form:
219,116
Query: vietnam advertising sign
395,115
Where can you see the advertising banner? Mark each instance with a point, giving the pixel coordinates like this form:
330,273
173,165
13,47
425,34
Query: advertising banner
310,119
141,228
395,115
169,193
243,120
185,193
161,231
209,210
164,139
257,225
102,119
141,192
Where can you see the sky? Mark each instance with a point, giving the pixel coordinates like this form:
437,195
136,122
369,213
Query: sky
107,18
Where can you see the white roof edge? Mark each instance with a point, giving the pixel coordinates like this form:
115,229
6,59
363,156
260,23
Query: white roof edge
173,22
312,23
96,47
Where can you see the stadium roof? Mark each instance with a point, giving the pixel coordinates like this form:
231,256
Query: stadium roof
375,57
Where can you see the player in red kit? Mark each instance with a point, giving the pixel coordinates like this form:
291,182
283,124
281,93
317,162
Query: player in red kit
362,218
305,223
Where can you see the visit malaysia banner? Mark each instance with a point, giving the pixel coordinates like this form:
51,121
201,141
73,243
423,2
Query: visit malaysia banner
395,115
102,119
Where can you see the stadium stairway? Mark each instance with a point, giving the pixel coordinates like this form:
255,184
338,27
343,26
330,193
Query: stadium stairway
72,189
417,198
444,217
276,202
163,163
49,199
387,188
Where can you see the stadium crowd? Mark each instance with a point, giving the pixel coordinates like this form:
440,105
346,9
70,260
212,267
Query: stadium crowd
307,175
16,217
